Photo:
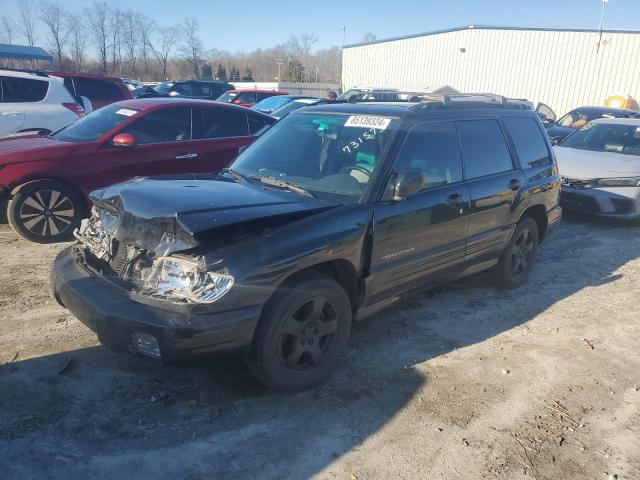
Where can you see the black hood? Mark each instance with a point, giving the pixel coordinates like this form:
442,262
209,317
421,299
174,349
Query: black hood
188,209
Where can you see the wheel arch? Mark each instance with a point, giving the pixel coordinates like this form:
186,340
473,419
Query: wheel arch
538,213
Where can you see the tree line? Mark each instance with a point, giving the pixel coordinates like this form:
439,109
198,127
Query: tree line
126,43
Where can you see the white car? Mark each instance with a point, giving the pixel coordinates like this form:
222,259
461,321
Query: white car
600,168
35,101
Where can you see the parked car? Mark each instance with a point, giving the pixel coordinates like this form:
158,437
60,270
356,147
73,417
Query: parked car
369,93
132,84
33,101
202,89
101,90
268,105
248,98
600,168
557,130
287,108
44,181
333,214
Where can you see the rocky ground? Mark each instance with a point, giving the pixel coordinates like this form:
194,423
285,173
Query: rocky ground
465,381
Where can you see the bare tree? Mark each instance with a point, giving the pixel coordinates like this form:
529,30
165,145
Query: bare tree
7,27
369,37
167,39
77,41
130,35
115,31
27,10
307,41
146,27
53,15
191,46
98,16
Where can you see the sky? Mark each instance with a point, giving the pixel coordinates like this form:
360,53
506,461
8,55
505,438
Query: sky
244,26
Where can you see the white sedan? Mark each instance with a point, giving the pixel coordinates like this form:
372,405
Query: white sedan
600,168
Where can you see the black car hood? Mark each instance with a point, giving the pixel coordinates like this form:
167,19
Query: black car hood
170,213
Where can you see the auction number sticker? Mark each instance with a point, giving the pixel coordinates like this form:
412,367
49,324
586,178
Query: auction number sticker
366,121
127,112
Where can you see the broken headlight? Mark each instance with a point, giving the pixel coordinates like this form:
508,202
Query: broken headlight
175,278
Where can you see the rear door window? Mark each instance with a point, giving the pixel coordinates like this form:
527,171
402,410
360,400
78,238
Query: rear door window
95,89
530,145
262,96
171,124
15,90
484,148
218,123
434,149
245,97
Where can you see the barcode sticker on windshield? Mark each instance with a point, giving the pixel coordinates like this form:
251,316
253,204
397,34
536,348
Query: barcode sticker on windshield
126,112
365,121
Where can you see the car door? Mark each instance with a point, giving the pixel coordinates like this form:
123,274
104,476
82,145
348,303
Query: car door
496,187
218,134
163,136
546,114
423,237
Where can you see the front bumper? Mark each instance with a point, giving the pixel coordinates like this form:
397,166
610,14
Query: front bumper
612,202
111,312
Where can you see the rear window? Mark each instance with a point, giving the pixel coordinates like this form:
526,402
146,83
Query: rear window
484,148
531,146
16,90
95,89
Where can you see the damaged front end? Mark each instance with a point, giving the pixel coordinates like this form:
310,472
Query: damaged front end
149,273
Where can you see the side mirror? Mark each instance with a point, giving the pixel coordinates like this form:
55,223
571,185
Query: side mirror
407,182
237,101
556,141
124,140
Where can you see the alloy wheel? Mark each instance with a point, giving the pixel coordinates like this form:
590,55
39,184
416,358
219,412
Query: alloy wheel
522,252
308,334
46,213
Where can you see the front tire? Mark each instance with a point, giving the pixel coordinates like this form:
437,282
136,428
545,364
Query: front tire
516,262
303,331
45,211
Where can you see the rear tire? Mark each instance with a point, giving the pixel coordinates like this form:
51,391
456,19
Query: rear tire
517,260
45,211
303,330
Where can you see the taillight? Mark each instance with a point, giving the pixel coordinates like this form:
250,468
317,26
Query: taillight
75,108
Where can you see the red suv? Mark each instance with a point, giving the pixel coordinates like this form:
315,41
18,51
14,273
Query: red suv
45,180
248,98
101,90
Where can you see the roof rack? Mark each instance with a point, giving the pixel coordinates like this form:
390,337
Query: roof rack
39,73
445,100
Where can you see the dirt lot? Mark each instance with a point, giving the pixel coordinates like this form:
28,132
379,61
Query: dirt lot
466,381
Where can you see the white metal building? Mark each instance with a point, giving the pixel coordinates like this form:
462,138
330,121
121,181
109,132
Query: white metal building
561,67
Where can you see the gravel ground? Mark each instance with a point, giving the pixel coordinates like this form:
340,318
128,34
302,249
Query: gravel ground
464,381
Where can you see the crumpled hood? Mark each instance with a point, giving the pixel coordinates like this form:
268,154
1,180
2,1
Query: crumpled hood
588,165
170,213
28,146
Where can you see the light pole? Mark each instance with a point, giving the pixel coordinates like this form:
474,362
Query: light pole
604,4
279,62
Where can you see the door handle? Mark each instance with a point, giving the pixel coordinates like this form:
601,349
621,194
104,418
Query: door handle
455,200
186,156
515,184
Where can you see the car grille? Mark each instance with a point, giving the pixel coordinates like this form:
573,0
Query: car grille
575,183
574,201
128,266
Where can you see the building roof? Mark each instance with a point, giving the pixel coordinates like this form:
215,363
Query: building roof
22,52
488,27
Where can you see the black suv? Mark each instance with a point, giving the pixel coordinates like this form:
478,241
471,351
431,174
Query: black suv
331,215
202,89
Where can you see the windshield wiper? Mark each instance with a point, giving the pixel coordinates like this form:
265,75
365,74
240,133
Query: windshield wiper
234,174
274,182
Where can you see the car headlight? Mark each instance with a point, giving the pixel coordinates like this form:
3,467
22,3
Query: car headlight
619,182
179,279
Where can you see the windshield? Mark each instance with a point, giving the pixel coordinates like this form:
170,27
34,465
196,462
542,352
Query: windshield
606,137
270,104
91,127
349,93
290,107
227,97
163,87
578,119
326,154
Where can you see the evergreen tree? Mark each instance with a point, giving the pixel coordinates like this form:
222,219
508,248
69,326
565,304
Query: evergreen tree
221,73
205,72
248,75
